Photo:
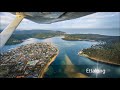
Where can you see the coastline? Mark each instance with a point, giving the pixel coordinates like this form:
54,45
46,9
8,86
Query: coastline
106,62
98,60
44,69
78,40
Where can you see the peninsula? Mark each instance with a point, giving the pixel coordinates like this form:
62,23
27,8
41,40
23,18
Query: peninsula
106,51
28,61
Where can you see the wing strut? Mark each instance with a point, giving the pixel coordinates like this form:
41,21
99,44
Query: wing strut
7,32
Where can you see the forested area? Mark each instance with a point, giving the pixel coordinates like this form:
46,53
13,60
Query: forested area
108,51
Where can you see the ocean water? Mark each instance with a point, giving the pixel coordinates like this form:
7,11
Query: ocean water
109,32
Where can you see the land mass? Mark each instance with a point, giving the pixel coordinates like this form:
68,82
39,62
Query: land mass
28,61
89,37
19,36
106,51
101,60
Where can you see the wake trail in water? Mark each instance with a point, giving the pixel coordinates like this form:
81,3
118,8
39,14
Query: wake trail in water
70,69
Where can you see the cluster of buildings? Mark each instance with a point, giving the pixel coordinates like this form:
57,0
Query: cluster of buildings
26,61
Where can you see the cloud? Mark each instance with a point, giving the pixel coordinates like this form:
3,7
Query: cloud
96,20
5,19
105,14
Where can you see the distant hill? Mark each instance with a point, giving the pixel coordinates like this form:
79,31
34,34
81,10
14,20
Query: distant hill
19,35
35,31
89,37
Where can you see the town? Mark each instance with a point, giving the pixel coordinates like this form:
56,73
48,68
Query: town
26,61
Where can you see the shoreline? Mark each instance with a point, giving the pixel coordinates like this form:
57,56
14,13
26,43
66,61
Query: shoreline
101,61
98,60
79,40
43,71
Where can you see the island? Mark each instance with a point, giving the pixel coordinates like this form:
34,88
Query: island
27,61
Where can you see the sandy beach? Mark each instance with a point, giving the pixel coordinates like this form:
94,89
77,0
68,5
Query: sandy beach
42,72
98,60
102,61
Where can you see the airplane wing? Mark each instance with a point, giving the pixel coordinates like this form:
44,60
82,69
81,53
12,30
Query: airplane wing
51,17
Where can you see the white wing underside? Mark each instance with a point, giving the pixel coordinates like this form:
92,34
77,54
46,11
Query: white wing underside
51,17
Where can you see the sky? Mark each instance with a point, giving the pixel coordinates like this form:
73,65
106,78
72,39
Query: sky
96,20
